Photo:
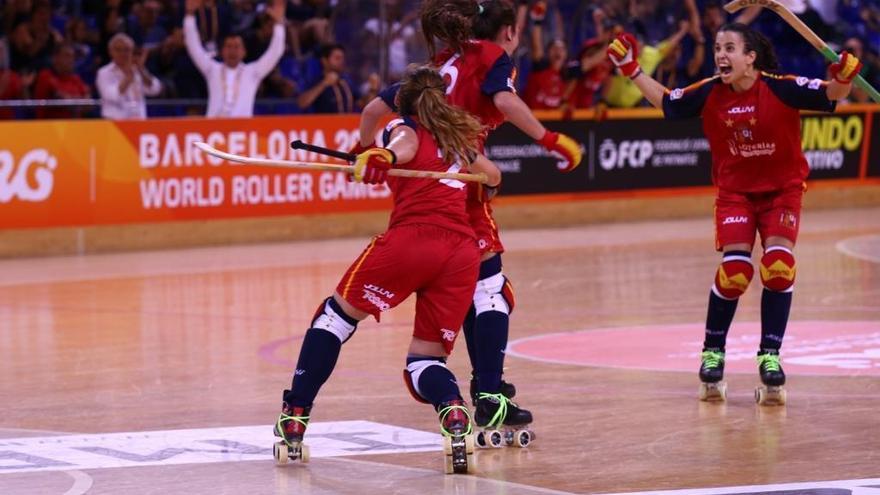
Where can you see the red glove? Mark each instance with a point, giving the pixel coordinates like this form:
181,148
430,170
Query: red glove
565,148
624,53
845,70
372,166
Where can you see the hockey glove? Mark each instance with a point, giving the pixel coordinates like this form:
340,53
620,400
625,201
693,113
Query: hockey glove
845,70
624,53
372,166
563,147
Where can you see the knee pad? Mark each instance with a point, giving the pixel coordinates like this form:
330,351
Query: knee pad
332,318
733,275
412,373
778,269
494,293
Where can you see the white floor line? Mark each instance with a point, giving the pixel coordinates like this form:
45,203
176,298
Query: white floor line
844,247
82,483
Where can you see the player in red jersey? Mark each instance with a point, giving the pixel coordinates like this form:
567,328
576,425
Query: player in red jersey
479,39
429,249
751,119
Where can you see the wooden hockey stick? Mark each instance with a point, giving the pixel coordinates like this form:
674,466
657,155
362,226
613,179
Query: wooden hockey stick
805,31
396,172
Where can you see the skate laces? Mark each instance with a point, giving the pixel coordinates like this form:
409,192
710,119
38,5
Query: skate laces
501,413
712,359
446,411
769,362
286,418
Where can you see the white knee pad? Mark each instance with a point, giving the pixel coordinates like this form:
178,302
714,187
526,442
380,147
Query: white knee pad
328,319
490,295
415,370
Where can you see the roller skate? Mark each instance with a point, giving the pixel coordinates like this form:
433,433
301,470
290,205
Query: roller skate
291,426
502,422
712,386
506,389
771,393
458,437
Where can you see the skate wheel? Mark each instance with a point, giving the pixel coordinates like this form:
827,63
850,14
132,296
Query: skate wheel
522,438
304,453
712,392
481,440
448,467
759,395
280,452
469,444
447,447
495,439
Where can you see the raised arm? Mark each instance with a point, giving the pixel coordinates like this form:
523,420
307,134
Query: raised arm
270,58
624,53
197,52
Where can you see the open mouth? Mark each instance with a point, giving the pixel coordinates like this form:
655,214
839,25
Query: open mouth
724,69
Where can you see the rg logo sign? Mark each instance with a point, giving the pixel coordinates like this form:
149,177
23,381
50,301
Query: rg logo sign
33,178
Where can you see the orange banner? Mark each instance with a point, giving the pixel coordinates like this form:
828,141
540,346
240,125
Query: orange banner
95,172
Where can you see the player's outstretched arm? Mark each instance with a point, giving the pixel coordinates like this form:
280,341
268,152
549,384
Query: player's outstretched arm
842,74
519,114
624,53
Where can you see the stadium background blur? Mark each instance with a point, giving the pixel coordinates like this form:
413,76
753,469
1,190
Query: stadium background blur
381,38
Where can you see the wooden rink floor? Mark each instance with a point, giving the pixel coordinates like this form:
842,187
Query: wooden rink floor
104,359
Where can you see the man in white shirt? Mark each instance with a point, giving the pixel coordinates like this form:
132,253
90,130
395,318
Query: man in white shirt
124,82
232,85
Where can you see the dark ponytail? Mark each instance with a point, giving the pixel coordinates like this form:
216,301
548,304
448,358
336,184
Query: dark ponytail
754,41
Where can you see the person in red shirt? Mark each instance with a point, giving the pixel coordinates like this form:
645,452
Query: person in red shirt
479,75
751,119
11,88
60,82
545,88
429,250
590,73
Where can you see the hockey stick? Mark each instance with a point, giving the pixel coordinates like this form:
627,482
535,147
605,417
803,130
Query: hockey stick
299,145
805,31
396,172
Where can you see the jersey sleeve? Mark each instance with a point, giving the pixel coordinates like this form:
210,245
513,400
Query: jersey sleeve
500,77
389,94
688,102
394,124
800,92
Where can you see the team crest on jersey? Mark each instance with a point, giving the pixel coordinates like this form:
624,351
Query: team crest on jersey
676,94
801,81
815,84
788,220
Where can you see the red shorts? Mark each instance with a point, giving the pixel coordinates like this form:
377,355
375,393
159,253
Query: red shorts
738,216
439,265
484,227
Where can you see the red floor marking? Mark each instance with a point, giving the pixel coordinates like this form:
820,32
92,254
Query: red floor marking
850,348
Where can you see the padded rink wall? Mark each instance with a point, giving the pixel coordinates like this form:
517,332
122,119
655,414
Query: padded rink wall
69,187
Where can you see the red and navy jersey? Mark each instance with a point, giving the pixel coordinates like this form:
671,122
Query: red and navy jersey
473,77
755,135
427,201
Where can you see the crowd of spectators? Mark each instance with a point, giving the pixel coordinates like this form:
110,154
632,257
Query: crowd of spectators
329,56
